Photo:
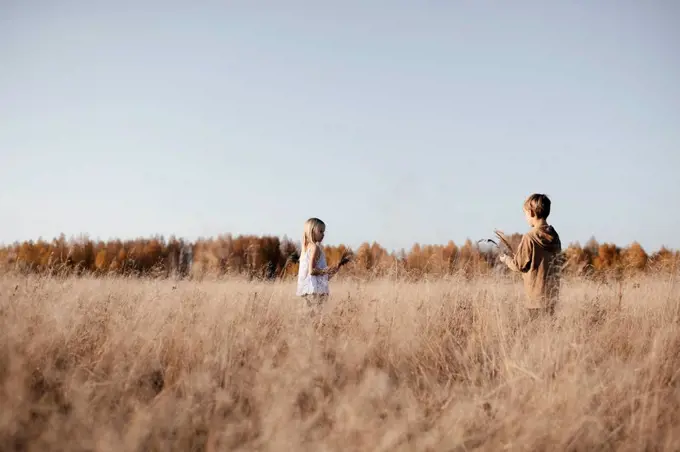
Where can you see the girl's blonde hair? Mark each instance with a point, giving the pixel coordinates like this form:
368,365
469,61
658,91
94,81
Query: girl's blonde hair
313,226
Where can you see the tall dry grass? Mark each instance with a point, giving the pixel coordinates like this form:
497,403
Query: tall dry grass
116,364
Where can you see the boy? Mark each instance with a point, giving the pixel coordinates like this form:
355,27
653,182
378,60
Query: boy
537,258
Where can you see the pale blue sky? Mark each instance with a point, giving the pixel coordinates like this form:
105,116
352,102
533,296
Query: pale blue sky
392,121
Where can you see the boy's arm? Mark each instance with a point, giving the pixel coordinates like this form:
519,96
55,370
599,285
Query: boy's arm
521,261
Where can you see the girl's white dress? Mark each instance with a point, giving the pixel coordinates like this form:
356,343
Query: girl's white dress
310,284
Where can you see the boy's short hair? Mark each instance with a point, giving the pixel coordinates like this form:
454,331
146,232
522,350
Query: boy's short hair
539,205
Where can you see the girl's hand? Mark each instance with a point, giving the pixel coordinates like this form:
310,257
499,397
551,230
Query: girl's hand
328,271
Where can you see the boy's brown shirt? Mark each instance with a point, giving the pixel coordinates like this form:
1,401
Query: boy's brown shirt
537,258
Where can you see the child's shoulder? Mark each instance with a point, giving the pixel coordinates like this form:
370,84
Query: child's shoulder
315,248
544,237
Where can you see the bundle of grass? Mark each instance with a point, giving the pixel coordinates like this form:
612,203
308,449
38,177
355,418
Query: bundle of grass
503,243
506,243
345,259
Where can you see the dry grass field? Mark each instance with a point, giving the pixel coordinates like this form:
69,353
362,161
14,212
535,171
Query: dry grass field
159,365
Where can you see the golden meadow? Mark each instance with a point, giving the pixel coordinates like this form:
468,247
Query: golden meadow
154,345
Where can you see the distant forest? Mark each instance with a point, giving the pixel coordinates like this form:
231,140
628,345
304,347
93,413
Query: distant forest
270,258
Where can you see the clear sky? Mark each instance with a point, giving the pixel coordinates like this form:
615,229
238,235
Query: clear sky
392,121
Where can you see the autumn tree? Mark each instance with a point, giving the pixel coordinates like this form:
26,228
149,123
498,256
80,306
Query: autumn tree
635,258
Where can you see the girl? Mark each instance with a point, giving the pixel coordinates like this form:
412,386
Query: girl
314,272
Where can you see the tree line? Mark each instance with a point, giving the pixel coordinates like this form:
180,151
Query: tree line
270,257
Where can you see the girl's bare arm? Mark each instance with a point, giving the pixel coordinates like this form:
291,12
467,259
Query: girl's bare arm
313,270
